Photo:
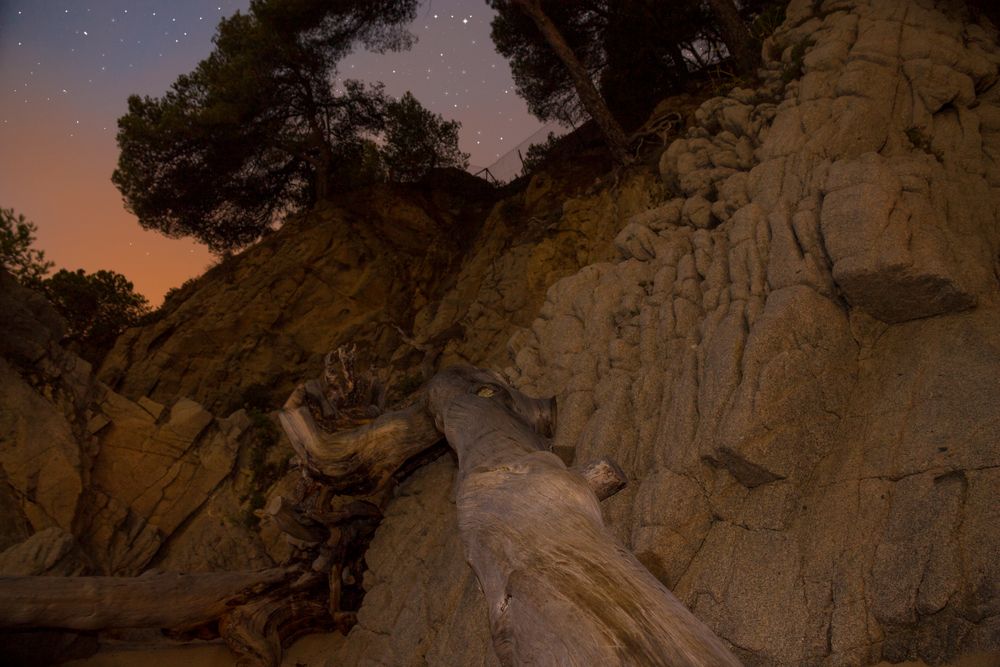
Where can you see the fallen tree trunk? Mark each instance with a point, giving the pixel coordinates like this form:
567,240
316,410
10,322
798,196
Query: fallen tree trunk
161,600
559,588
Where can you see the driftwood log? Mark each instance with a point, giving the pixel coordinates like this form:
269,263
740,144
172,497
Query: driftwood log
159,600
559,588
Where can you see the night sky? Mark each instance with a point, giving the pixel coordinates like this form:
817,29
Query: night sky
67,68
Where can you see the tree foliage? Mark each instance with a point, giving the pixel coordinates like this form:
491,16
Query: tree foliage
17,236
417,140
583,83
257,128
637,50
539,76
537,154
97,307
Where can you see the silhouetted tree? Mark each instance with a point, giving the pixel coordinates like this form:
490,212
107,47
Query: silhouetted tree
644,43
257,129
97,307
636,51
537,155
17,256
590,98
417,140
540,77
741,45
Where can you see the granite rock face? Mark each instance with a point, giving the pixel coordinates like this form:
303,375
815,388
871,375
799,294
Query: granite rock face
791,348
49,552
401,273
794,358
86,470
423,605
258,323
527,243
787,335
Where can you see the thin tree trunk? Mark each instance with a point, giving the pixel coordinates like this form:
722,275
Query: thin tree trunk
592,101
739,41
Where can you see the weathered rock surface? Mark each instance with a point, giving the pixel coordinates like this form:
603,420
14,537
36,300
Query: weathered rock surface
40,453
787,338
151,474
85,470
406,277
49,552
793,359
527,243
417,580
264,319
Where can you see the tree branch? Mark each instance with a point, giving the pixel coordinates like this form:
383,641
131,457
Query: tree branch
361,459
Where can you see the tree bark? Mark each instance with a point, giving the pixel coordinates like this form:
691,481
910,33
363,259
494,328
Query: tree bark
739,41
591,99
257,631
559,588
362,459
167,600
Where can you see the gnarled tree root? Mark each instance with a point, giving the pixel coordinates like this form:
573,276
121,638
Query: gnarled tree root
559,588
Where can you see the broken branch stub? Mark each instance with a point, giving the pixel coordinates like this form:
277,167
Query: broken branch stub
603,476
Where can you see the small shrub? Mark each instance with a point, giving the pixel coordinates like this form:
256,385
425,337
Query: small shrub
257,399
409,384
17,252
263,435
724,79
97,307
796,65
249,518
538,154
768,20
512,208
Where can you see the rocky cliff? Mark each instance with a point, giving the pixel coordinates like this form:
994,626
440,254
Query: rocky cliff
794,356
86,470
786,334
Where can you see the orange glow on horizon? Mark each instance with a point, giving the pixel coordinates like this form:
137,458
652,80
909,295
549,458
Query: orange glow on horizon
66,70
66,190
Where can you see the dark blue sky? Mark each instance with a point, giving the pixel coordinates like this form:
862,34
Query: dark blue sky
67,67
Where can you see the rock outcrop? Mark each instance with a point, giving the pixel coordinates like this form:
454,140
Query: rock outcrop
794,358
786,335
417,580
98,480
257,323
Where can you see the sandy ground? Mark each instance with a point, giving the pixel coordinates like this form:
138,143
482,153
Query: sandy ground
310,651
980,660
315,651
